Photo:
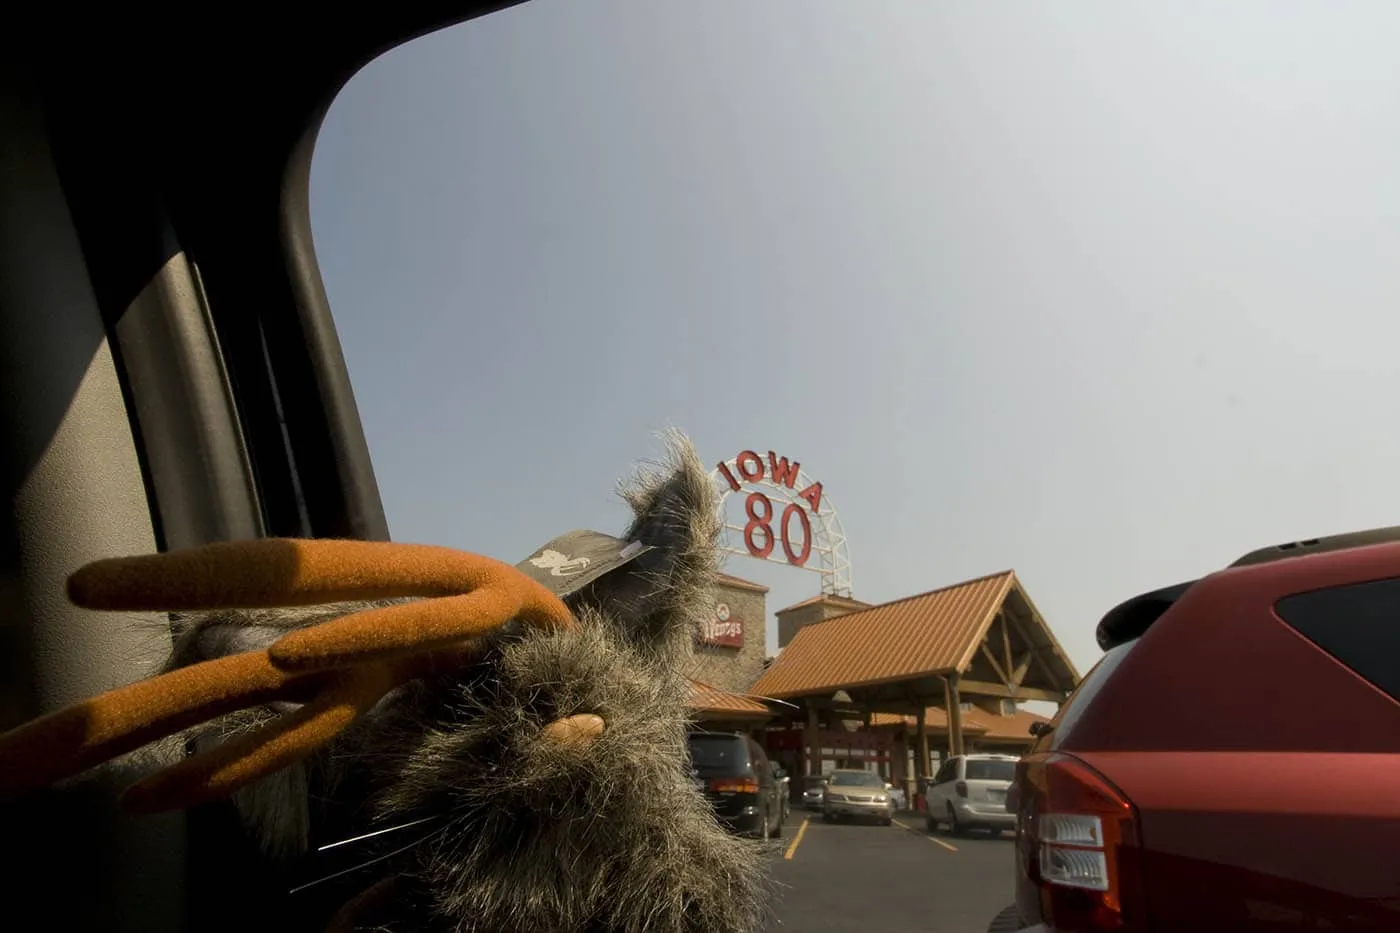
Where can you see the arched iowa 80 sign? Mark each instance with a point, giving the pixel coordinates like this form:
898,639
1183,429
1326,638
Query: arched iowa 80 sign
781,514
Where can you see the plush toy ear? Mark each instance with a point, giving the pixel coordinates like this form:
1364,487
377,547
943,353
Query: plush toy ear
657,592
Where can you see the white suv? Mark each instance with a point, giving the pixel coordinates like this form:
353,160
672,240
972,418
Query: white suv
970,791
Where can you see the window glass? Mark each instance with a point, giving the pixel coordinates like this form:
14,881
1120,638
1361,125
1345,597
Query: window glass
856,779
1358,625
988,769
717,752
1084,694
1014,288
531,267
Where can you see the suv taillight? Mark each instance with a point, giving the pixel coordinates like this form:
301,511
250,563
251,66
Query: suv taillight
1080,848
734,785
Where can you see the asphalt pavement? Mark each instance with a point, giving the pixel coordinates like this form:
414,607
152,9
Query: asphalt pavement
853,878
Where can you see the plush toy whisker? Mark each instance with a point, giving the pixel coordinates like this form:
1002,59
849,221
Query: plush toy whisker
378,832
756,696
361,866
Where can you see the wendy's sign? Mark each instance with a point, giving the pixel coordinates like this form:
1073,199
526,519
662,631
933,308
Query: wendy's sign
723,628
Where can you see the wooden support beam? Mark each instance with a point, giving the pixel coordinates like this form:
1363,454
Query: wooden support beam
921,761
1021,668
1006,644
910,703
954,707
1050,673
1036,652
1044,665
1003,672
1011,693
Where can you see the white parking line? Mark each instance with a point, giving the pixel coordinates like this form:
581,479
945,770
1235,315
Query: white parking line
933,839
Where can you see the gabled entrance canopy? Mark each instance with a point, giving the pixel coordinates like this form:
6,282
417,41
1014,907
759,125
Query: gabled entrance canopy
981,638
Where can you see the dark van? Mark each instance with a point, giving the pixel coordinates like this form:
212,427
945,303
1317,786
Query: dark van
733,773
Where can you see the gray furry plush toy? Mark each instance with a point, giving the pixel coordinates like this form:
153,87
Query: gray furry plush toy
542,785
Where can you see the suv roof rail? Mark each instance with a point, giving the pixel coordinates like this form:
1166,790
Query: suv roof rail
1130,618
1339,542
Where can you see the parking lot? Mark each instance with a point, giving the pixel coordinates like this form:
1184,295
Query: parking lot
851,878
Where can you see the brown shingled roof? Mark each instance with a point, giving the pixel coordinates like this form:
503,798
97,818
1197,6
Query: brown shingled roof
740,582
927,634
707,699
844,601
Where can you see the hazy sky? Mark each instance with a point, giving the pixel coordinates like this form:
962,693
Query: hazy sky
1102,292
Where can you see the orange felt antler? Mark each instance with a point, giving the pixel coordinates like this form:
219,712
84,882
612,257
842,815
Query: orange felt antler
337,670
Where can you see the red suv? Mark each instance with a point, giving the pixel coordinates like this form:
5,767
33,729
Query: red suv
1232,762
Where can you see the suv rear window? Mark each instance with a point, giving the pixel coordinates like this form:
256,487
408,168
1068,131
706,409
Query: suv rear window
1356,624
989,769
719,753
1088,688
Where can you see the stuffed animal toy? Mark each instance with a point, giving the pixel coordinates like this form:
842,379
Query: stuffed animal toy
501,749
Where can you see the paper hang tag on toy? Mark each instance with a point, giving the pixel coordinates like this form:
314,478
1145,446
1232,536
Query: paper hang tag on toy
577,558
